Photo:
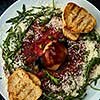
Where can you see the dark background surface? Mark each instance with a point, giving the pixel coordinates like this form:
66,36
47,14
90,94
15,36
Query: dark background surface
4,4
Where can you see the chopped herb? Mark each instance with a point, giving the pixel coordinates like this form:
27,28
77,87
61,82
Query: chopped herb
62,40
50,96
92,36
97,89
53,4
28,69
94,80
76,47
45,21
53,79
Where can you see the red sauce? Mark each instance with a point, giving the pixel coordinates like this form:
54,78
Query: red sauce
32,47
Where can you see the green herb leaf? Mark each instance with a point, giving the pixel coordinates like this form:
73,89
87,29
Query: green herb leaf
53,4
49,96
12,20
24,8
19,12
94,88
92,36
53,79
94,61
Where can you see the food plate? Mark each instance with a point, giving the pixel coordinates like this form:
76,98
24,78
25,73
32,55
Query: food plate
11,12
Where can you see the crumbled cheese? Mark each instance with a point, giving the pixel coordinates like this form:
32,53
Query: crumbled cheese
38,35
79,80
74,93
64,77
60,98
90,46
54,87
56,22
68,88
96,71
18,64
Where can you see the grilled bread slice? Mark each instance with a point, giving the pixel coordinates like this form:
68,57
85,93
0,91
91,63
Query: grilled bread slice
34,78
77,19
70,34
21,87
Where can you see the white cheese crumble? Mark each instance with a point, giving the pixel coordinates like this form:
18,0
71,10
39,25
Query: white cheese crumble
54,87
90,46
96,71
60,98
56,22
79,80
18,64
68,85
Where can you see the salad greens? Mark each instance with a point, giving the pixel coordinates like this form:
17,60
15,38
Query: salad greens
44,14
15,40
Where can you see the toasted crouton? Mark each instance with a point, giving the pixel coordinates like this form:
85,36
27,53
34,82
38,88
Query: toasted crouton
21,87
77,19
